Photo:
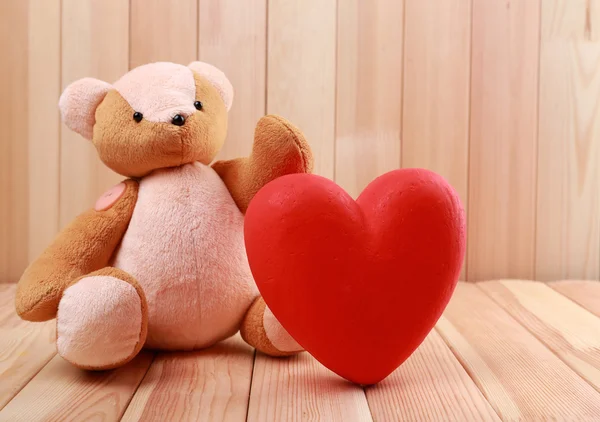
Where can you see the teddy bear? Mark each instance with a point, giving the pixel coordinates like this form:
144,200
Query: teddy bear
159,262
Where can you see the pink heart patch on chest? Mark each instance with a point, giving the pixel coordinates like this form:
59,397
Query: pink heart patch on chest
359,284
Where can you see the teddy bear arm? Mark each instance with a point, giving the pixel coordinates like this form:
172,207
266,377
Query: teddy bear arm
279,149
85,245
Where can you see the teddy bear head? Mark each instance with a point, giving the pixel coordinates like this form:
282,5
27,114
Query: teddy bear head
157,115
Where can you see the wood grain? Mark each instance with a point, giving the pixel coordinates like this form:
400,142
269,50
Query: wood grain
430,386
583,292
301,72
25,347
43,91
369,91
95,43
519,376
573,333
208,385
502,169
163,31
568,223
300,388
62,392
435,122
14,177
232,36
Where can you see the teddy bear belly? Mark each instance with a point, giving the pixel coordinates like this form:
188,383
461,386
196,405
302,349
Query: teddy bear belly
185,247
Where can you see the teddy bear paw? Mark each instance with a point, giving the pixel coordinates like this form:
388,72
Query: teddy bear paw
101,321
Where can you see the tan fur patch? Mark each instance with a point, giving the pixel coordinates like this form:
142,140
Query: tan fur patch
85,245
279,149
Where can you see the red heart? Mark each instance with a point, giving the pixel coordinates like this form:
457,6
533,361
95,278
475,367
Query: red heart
359,284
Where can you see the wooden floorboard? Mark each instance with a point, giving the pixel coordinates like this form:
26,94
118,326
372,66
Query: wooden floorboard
25,347
506,350
62,392
430,386
585,293
207,385
566,328
299,388
521,378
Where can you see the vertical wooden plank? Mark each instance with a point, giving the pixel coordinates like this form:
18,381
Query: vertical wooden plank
232,36
94,43
44,123
568,222
301,71
437,58
14,178
163,31
502,166
299,388
369,91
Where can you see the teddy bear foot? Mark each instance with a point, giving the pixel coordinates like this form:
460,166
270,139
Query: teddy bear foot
102,320
261,330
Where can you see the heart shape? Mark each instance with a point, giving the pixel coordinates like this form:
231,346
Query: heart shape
359,284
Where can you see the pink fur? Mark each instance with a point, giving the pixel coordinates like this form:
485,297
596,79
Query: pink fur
159,90
185,247
278,336
85,336
78,104
217,78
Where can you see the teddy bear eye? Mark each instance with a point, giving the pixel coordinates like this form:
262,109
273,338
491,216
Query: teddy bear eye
198,105
137,116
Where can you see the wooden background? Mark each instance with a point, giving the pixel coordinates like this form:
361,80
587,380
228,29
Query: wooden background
502,97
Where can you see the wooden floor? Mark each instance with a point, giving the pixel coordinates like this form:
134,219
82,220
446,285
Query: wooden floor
508,350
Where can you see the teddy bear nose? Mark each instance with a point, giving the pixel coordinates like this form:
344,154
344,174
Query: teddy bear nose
178,120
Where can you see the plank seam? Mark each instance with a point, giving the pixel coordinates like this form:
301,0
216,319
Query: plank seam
251,384
537,141
29,380
538,338
468,193
126,407
469,372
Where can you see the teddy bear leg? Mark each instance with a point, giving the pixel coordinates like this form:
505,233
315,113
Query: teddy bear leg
102,320
261,330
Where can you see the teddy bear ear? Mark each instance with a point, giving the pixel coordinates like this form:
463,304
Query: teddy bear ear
217,78
78,104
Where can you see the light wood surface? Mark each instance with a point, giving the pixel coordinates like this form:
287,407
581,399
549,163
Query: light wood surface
437,58
568,330
163,31
299,388
508,350
209,385
520,377
430,386
568,223
500,97
503,143
369,91
232,36
24,348
14,205
43,88
584,293
301,71
94,44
